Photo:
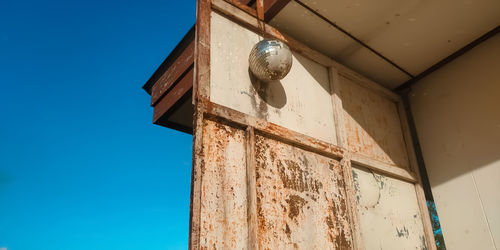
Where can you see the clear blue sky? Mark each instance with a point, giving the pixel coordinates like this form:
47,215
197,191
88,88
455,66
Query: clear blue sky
81,164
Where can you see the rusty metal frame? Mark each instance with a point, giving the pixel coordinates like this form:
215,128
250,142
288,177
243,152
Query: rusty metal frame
251,22
201,85
251,189
422,202
204,109
269,129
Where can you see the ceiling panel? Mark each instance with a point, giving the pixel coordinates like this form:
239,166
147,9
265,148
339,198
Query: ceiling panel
368,64
415,34
308,28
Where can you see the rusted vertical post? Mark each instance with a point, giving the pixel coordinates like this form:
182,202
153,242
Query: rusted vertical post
338,115
251,189
260,16
202,51
200,89
196,174
260,9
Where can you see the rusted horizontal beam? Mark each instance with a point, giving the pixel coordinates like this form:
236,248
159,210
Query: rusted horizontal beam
177,92
173,74
384,168
271,130
238,119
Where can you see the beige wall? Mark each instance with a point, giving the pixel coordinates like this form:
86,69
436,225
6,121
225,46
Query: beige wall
301,101
388,211
389,215
457,115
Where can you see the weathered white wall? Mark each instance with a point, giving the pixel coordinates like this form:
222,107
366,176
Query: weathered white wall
301,194
223,207
388,211
301,199
372,123
300,102
457,114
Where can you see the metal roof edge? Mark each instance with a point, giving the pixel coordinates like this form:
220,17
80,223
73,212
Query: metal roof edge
174,54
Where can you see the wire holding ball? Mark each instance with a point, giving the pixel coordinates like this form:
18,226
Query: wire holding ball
270,60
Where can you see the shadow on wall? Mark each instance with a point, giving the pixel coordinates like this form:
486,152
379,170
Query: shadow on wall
303,61
376,131
373,124
272,93
457,115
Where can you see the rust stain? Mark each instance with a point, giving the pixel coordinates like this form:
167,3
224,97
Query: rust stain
296,188
293,177
295,203
287,230
223,191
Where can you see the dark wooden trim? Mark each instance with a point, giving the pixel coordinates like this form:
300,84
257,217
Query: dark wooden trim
165,121
243,5
251,190
173,74
177,92
273,7
183,44
407,85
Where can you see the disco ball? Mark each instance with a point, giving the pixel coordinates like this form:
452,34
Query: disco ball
270,60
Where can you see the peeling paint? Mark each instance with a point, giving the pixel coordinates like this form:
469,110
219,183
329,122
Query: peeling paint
372,124
388,210
223,192
300,199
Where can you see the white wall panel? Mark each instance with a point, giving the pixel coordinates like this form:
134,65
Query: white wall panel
300,102
388,212
457,114
372,124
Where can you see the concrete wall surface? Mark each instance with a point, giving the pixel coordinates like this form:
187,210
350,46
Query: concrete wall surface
457,115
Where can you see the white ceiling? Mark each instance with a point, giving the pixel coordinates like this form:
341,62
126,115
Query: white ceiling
414,34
